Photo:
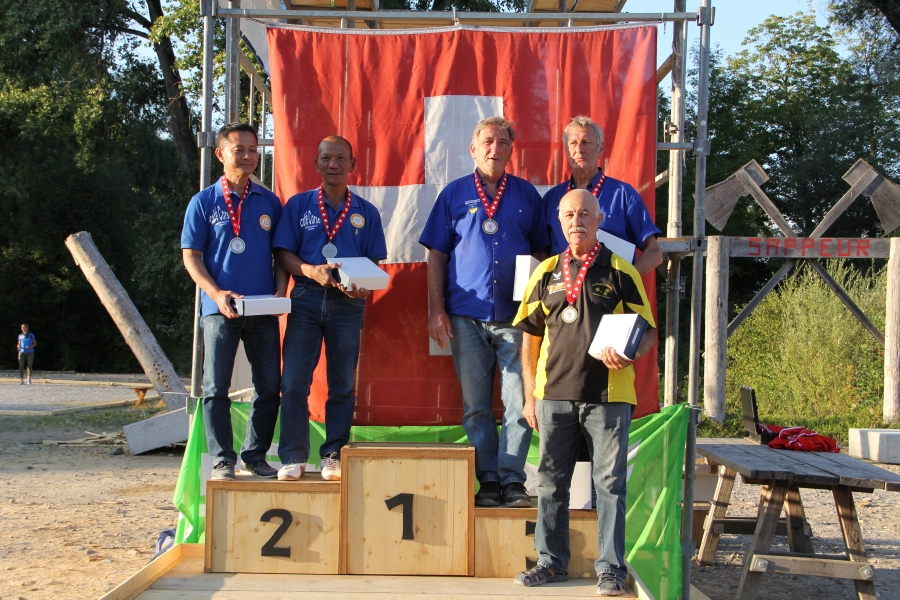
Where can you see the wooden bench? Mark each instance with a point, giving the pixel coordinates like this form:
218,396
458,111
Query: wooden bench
782,473
140,389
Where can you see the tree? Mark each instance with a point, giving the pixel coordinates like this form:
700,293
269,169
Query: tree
851,11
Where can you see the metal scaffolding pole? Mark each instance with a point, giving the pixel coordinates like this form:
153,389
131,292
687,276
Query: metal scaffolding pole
701,150
674,285
451,17
205,139
232,65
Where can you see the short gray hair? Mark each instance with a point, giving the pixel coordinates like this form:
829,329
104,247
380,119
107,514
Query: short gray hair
495,122
582,122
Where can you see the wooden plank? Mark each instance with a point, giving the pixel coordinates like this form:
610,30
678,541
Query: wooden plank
159,430
815,566
810,247
783,464
721,499
770,504
63,411
796,525
891,410
853,539
151,572
848,470
716,338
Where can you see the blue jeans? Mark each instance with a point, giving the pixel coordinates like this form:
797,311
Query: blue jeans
477,348
261,343
317,314
605,428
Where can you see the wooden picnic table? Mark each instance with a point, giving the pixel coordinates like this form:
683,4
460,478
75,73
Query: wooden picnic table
782,473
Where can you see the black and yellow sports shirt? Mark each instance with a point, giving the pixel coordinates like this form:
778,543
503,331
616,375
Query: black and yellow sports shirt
565,370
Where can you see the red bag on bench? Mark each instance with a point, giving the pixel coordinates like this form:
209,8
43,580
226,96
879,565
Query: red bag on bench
800,438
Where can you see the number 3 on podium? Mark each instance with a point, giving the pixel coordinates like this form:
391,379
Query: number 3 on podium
406,501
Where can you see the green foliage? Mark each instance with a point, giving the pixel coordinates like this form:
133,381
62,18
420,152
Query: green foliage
809,360
83,122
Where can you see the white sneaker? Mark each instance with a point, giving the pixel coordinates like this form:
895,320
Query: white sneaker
331,467
291,472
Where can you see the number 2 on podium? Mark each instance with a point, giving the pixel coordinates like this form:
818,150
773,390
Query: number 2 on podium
406,501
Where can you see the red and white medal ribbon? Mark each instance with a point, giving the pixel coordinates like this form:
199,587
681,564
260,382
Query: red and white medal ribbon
597,186
236,245
235,216
330,233
573,290
490,208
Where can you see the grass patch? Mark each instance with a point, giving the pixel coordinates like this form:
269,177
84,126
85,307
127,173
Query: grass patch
809,360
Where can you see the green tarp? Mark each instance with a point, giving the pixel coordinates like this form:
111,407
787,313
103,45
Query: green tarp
655,462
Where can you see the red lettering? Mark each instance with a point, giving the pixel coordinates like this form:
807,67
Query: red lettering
754,246
841,252
789,244
772,243
862,248
824,249
807,244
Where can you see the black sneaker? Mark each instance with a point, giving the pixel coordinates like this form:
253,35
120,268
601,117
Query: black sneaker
261,468
515,496
223,470
489,494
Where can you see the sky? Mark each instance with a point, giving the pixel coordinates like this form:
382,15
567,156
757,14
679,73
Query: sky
733,19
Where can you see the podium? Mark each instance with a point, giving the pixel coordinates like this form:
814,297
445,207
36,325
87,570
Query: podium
399,509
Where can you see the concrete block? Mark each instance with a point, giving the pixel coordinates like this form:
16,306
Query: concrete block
881,445
156,432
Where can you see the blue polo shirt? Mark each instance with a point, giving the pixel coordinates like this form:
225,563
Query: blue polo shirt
26,343
207,228
624,213
301,231
482,268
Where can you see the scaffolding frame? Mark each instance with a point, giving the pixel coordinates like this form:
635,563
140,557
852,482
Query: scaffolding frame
674,246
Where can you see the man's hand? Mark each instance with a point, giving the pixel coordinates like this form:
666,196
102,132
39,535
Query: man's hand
321,274
528,411
613,360
223,300
438,326
353,292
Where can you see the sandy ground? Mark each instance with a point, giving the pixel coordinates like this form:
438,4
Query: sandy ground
79,521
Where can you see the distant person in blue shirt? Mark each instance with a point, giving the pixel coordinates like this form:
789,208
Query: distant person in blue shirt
327,222
477,227
227,250
25,348
624,213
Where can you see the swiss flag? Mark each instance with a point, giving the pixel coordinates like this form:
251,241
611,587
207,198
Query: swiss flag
408,102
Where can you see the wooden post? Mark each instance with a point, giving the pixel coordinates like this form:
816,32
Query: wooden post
716,328
129,321
892,337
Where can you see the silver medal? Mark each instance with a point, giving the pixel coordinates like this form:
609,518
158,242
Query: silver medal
329,250
490,227
237,245
569,314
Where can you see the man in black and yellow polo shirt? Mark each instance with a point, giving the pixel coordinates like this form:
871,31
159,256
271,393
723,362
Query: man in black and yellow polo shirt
568,392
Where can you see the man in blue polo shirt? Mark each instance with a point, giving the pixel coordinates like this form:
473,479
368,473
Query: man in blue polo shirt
227,250
327,222
477,227
624,213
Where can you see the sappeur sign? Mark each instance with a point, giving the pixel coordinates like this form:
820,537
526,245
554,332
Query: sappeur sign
791,247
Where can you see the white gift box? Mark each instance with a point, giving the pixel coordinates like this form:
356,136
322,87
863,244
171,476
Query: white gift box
250,306
617,245
622,333
361,271
525,266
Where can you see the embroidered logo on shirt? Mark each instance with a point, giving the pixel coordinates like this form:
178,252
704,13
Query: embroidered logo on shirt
601,290
310,221
357,220
557,276
558,287
219,217
265,222
472,205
